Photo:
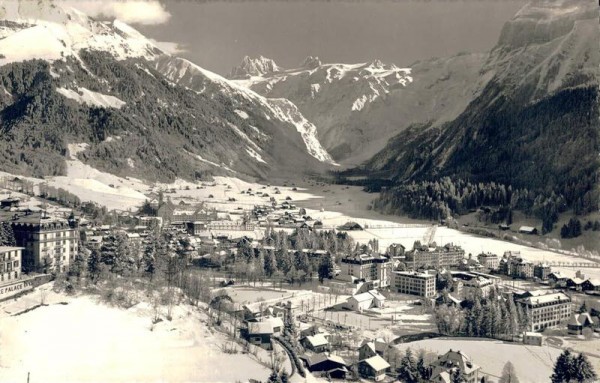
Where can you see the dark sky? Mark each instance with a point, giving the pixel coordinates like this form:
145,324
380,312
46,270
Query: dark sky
217,34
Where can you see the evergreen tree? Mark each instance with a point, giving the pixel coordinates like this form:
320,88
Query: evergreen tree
326,267
584,372
7,236
285,378
563,368
509,375
423,370
407,372
270,263
78,266
93,265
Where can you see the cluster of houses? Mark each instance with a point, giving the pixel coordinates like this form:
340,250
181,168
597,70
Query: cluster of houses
263,324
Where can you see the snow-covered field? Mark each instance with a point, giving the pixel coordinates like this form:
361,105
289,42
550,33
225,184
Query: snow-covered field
87,341
533,364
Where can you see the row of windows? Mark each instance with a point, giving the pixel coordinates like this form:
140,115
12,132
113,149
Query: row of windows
9,254
8,266
9,276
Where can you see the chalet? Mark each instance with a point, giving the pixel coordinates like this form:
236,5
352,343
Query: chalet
365,301
448,300
369,348
528,230
360,302
349,226
575,283
9,202
558,279
260,333
332,365
277,311
578,322
591,285
446,364
373,368
316,343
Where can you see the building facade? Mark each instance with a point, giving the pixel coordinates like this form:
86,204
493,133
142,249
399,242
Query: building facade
438,257
49,244
10,264
488,261
414,283
547,310
375,267
542,271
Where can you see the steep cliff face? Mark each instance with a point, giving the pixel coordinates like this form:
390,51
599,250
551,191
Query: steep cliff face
535,123
358,107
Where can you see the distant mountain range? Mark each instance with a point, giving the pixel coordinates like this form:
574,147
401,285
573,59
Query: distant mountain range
66,78
357,108
524,114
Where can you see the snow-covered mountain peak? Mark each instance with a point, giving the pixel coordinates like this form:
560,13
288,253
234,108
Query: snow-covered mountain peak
311,62
254,66
52,31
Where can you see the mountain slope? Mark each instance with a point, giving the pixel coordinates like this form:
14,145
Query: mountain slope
535,125
140,111
358,107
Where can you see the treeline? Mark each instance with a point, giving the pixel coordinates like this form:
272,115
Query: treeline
160,263
573,228
59,195
280,255
446,197
493,316
502,139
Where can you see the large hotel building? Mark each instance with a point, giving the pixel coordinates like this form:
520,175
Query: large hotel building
437,257
547,310
414,283
50,244
376,268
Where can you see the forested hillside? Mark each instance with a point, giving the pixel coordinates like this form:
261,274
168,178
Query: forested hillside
534,128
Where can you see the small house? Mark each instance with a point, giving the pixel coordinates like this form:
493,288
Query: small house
360,302
533,338
575,283
369,348
333,365
528,230
259,334
578,322
591,285
316,343
373,368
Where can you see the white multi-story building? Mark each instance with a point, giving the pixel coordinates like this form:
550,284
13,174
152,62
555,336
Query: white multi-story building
488,261
50,244
547,310
414,283
375,268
